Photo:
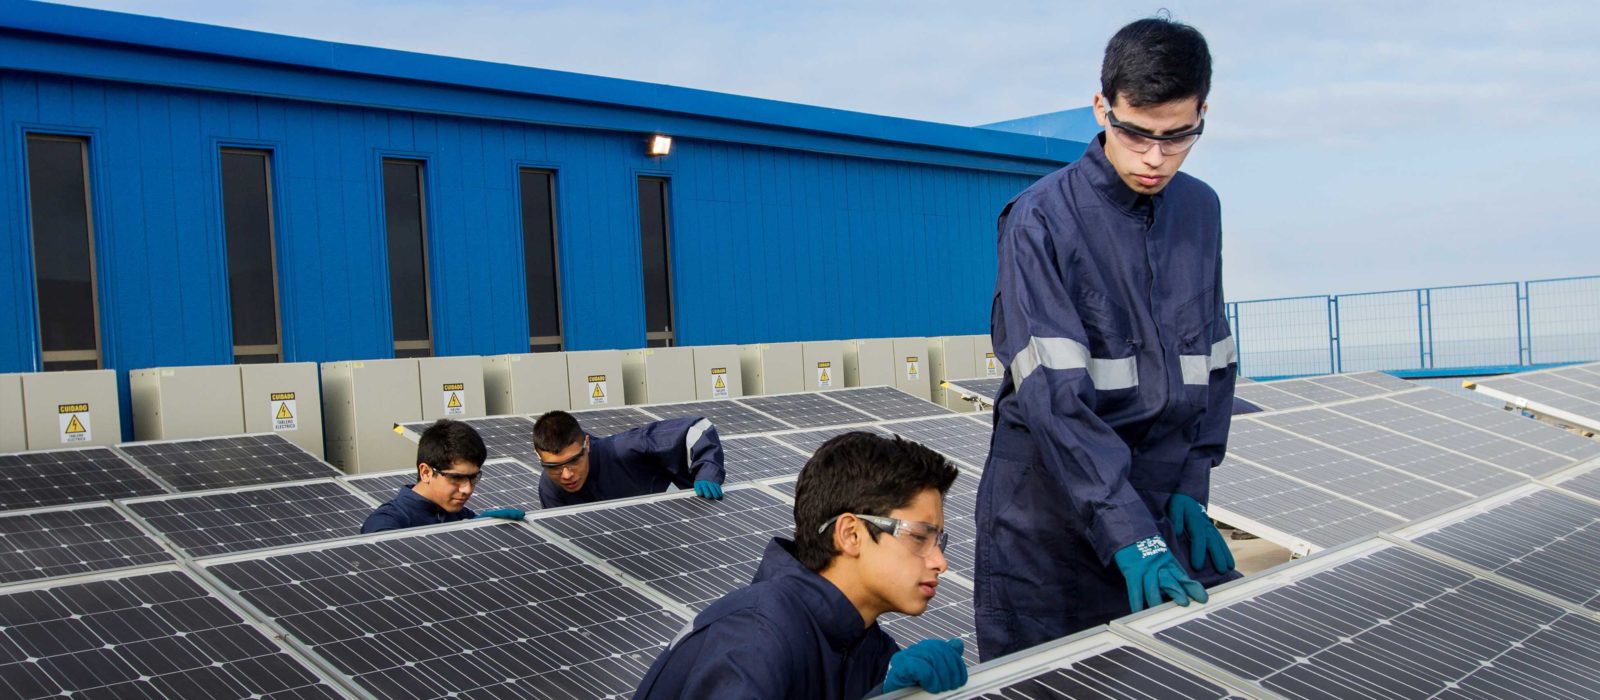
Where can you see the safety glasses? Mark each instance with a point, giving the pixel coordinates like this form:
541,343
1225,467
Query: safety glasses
553,466
1141,141
919,536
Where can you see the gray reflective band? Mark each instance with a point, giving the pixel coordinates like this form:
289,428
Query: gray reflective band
1066,353
695,431
1197,368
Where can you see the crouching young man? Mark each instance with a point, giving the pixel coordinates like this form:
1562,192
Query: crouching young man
450,459
869,540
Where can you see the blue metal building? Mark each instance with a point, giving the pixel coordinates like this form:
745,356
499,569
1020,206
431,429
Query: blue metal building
783,221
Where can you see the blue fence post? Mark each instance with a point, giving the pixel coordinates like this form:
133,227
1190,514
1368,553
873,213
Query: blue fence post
1525,316
1422,335
1427,320
1334,360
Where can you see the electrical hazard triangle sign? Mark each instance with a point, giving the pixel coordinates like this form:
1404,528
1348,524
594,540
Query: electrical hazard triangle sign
823,377
73,426
455,401
720,384
599,392
283,412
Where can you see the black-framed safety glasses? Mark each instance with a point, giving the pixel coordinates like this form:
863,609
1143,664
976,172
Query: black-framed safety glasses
553,466
457,478
1141,141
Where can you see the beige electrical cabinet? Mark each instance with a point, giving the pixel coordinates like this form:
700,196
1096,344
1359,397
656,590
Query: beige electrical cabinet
172,403
869,362
526,383
284,399
361,402
988,364
13,429
658,375
64,410
950,357
595,379
717,373
823,362
452,387
911,366
772,368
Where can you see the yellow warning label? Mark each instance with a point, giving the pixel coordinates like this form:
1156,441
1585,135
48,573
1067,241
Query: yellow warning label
73,426
454,387
911,359
599,392
73,408
283,396
283,412
821,365
720,384
597,377
719,370
455,401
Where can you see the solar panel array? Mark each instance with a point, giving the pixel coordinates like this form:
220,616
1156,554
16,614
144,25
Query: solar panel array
1311,391
505,483
508,437
32,479
203,524
54,542
1568,394
225,462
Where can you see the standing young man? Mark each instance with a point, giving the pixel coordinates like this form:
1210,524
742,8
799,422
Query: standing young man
1108,314
868,540
578,468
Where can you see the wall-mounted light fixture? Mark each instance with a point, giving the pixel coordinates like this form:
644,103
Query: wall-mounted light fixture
660,145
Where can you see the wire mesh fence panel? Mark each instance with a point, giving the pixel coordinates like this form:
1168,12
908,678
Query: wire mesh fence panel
1563,320
1380,330
1474,326
1279,337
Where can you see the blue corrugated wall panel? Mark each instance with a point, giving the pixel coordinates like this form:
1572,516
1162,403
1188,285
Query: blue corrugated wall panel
768,243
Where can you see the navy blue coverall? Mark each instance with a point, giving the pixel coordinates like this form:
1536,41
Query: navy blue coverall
789,634
408,509
644,460
1120,366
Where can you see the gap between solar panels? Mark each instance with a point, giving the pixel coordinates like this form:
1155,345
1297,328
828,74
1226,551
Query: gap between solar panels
1569,396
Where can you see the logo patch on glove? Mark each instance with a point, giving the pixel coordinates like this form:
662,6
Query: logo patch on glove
1151,546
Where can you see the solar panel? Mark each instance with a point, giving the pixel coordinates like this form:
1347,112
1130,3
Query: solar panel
1098,666
1379,621
730,417
805,410
216,463
1438,430
604,422
505,436
1539,538
210,523
949,614
960,522
887,403
468,611
32,479
982,391
1346,384
1383,488
1268,504
1311,389
1383,380
1268,396
785,487
53,542
689,549
1503,423
1570,394
143,634
808,441
755,457
1396,450
505,483
953,436
1584,481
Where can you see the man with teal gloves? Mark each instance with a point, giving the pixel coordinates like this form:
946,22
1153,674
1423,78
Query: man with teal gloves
580,468
1120,366
450,459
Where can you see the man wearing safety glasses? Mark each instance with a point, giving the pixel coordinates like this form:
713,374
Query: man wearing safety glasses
1120,366
868,540
450,458
579,468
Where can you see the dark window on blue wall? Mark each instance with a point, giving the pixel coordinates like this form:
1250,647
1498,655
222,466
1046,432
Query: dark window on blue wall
252,268
539,260
63,251
653,238
404,213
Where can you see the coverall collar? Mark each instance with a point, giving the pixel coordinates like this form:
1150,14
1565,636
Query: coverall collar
415,503
838,618
1103,176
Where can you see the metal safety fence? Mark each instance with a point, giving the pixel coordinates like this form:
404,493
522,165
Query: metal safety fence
1433,331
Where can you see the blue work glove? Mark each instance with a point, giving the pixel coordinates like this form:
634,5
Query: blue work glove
934,664
708,489
1189,516
1152,572
506,513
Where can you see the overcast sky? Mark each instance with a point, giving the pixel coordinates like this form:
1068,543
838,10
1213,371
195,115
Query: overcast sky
1357,146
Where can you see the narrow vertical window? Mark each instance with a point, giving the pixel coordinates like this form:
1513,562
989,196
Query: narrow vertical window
654,237
539,260
63,251
252,265
404,214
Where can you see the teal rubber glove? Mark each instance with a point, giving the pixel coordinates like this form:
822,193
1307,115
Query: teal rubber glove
1205,542
504,513
708,489
1152,572
934,664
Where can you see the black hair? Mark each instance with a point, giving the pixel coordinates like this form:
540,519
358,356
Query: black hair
1154,61
447,441
556,431
860,473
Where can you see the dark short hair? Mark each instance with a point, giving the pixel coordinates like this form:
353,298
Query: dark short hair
860,473
447,441
1154,61
556,431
